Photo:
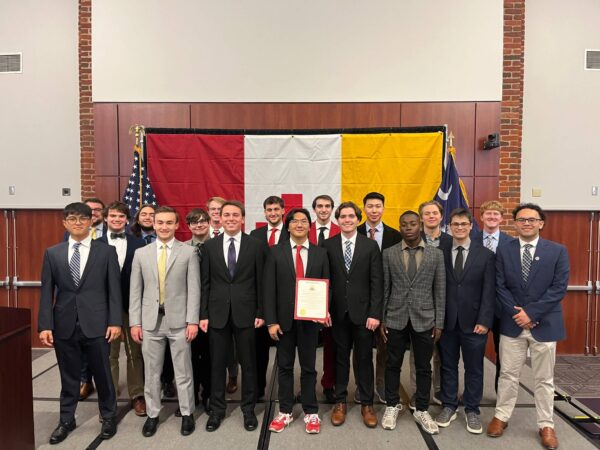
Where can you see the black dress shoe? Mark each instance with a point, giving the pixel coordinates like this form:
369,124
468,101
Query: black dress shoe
187,425
169,390
206,405
250,421
61,432
214,422
150,426
329,396
109,428
178,412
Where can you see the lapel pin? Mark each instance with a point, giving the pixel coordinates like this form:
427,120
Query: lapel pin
537,258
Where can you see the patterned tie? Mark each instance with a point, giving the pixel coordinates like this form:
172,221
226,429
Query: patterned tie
489,242
272,237
372,233
526,264
149,238
412,263
321,236
215,233
299,263
458,263
348,255
162,273
75,263
231,257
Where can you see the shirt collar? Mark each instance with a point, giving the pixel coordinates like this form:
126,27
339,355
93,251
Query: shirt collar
495,234
168,244
278,227
533,243
304,244
237,237
465,246
86,242
352,239
421,244
327,225
378,227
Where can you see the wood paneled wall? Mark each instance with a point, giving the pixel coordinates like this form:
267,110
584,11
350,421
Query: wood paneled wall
470,122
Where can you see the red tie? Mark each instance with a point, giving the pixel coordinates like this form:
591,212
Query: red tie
215,233
372,233
299,263
272,237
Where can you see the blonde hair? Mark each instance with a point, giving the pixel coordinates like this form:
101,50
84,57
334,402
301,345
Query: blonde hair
491,205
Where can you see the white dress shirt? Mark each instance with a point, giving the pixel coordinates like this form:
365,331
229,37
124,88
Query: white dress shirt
303,253
277,233
352,246
120,246
84,252
236,243
327,230
378,233
533,244
159,244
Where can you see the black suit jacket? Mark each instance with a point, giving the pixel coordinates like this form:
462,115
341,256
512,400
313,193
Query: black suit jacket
470,300
390,235
359,291
133,243
242,295
280,281
95,303
261,234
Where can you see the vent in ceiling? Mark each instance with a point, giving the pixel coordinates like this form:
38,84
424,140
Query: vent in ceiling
592,60
11,62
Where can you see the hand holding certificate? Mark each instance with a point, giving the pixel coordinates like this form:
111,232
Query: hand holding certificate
312,299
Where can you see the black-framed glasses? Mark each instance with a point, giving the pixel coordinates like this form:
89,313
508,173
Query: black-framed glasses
530,220
198,222
460,224
72,220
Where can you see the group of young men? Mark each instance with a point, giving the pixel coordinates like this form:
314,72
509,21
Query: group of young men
418,288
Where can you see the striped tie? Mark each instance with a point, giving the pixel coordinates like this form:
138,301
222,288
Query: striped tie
526,264
75,264
489,242
348,255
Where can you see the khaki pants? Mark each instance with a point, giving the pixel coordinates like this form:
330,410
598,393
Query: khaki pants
513,352
135,362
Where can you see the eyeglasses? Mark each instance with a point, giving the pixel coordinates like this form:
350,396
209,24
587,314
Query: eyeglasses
296,222
531,220
460,224
96,209
72,220
198,222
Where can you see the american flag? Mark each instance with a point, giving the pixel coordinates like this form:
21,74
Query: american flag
138,180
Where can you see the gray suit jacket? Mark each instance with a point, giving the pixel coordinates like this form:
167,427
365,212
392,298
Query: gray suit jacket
423,300
182,296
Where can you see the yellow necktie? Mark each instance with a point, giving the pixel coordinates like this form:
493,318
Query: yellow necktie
94,233
162,273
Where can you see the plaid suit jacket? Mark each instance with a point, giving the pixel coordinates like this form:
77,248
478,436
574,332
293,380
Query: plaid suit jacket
422,300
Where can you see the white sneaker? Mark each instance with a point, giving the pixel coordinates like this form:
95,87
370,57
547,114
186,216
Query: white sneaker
427,423
390,416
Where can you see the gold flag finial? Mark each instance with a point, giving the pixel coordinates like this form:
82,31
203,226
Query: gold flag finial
451,139
139,131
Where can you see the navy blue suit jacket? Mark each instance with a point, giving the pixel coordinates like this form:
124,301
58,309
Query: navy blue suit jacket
470,300
541,296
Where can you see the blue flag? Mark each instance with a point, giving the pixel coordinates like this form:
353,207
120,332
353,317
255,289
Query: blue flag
139,191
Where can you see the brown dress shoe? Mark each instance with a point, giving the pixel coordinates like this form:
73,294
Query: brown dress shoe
338,414
85,390
139,406
496,427
549,438
232,385
369,416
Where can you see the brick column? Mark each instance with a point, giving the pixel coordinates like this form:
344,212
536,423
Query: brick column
511,115
86,110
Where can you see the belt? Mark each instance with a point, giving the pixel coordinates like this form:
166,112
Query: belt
161,310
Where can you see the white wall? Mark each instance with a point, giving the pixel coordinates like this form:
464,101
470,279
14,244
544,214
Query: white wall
39,109
290,50
561,117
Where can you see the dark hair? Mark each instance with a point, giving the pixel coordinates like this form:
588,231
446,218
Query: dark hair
290,216
374,196
235,203
533,206
117,206
166,209
273,200
352,205
462,212
195,215
77,209
322,197
94,200
409,213
135,228
431,202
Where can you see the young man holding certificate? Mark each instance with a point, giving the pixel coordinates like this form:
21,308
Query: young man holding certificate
294,319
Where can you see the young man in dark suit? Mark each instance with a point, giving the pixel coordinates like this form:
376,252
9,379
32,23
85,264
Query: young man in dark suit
80,313
297,258
116,216
532,275
470,299
385,236
356,309
231,305
414,296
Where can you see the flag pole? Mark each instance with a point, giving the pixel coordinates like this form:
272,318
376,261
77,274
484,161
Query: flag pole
139,131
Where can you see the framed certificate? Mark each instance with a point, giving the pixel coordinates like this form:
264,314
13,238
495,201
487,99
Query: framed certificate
312,299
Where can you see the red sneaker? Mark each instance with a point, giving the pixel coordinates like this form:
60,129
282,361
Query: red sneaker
313,423
280,422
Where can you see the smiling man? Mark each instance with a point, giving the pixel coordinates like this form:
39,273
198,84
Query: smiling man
164,308
143,226
532,275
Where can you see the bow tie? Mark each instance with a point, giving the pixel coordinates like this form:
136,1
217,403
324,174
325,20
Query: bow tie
117,235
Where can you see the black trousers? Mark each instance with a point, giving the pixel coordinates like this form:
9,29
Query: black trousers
220,347
345,336
304,336
201,365
97,351
422,345
263,345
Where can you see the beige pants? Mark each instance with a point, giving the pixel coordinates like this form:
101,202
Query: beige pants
135,362
513,352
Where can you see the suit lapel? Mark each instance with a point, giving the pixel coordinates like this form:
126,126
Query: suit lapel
289,258
90,261
175,251
535,262
471,258
448,263
358,248
63,259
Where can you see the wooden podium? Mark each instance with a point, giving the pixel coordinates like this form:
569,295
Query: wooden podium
16,391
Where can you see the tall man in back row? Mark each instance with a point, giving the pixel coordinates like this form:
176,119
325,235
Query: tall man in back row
532,275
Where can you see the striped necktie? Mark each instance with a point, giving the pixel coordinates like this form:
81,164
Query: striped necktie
489,242
526,263
75,264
